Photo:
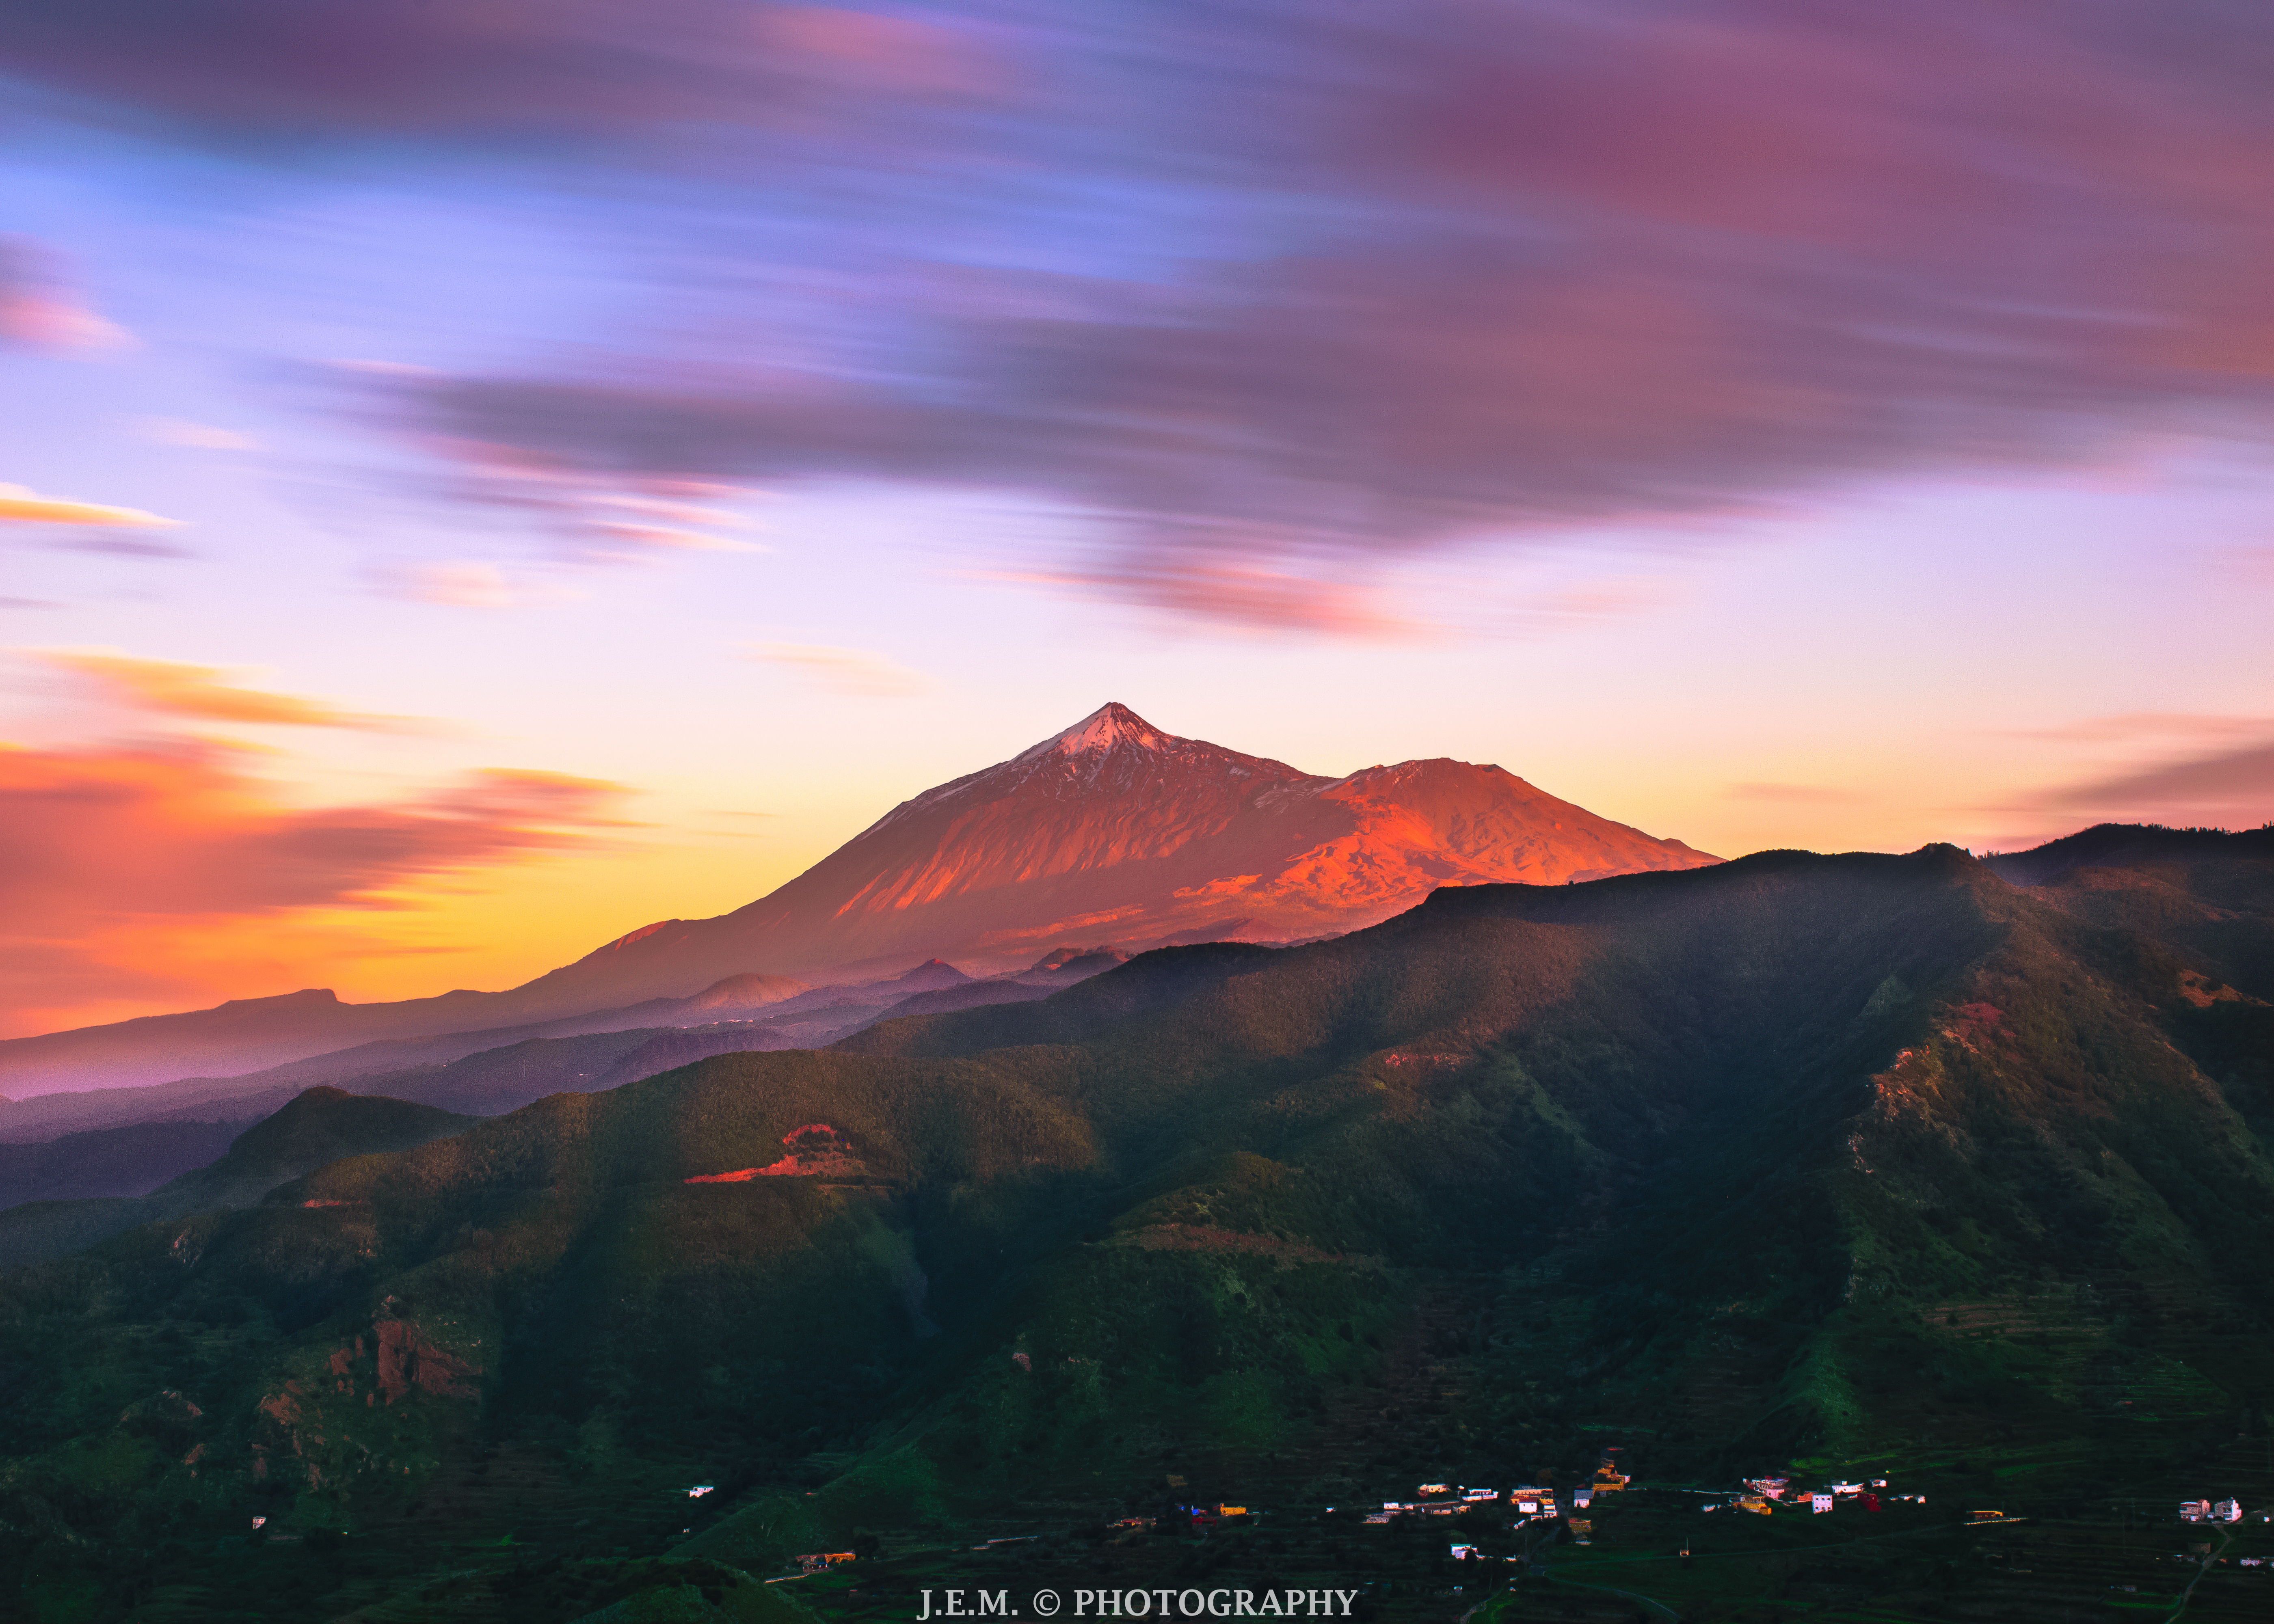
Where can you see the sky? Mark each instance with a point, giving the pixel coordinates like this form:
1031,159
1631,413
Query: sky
476,479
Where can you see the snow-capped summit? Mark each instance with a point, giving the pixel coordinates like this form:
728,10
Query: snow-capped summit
1108,725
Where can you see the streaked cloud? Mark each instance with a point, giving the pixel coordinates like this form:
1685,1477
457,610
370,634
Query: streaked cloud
2226,788
114,544
491,69
21,506
39,308
200,436
471,583
169,688
594,514
2133,727
1450,274
855,671
1313,289
670,535
1188,582
1793,795
137,871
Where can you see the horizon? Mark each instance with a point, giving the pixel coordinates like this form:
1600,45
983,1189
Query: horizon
1719,860
449,529
532,962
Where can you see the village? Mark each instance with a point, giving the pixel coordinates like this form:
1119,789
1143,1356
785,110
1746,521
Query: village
1513,1530
1536,1504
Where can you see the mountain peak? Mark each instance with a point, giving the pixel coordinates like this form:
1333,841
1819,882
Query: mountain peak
1109,724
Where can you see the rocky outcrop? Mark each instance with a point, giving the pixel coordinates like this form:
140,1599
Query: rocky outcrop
318,1424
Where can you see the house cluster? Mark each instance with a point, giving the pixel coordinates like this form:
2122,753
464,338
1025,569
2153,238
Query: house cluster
1203,1515
1527,1502
1762,1496
2210,1511
821,1561
1438,1499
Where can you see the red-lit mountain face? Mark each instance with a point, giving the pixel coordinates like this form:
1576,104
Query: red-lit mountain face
1114,830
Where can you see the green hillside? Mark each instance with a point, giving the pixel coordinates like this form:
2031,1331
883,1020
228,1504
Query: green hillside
1827,1160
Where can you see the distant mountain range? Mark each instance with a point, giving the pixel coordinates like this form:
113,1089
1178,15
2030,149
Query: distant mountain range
1112,830
492,1071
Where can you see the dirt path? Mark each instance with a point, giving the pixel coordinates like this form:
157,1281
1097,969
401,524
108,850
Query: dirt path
2202,1568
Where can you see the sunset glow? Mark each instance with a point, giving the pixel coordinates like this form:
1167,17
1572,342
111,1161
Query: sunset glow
481,480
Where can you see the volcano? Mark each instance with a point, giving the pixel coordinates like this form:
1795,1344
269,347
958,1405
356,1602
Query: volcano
1111,832
1115,831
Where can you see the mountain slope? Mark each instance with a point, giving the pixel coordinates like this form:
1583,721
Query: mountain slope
2208,892
1754,1162
1113,828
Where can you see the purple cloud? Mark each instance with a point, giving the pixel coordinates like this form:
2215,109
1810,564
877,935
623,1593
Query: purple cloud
2227,787
39,307
484,68
1272,292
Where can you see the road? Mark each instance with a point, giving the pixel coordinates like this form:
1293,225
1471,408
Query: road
2202,1568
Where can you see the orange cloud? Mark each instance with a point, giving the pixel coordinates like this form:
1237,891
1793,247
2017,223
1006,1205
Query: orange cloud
19,505
161,872
173,688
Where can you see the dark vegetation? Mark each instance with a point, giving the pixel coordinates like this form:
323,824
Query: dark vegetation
109,1162
1822,1164
320,1127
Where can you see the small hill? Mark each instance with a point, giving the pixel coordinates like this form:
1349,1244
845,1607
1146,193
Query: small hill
322,1126
743,992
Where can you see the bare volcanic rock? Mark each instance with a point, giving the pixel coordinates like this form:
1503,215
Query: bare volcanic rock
1115,830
